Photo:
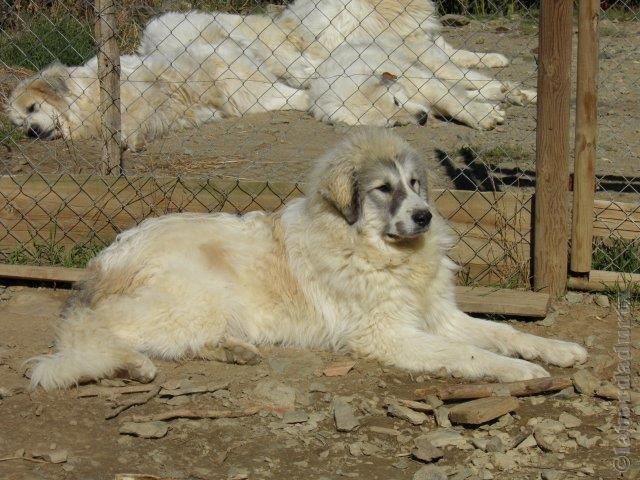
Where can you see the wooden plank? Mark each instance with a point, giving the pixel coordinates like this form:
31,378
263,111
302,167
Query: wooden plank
552,153
38,273
488,300
109,77
523,388
585,137
601,280
616,219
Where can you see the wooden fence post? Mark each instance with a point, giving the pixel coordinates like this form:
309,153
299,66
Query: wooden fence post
585,142
552,139
109,78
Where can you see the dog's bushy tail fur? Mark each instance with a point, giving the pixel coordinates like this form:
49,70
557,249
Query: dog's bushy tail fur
86,351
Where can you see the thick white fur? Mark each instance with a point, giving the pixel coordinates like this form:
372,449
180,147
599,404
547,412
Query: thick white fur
159,93
312,44
309,276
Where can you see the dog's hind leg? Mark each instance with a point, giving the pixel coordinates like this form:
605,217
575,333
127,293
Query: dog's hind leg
87,350
459,104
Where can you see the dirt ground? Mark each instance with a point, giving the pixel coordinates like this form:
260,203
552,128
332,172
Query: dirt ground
71,429
279,146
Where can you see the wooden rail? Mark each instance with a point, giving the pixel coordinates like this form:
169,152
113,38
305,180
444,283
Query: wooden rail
552,138
585,137
493,228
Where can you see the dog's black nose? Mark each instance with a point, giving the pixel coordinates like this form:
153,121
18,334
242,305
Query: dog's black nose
421,217
422,117
34,131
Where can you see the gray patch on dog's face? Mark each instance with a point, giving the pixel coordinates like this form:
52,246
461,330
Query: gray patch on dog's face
394,193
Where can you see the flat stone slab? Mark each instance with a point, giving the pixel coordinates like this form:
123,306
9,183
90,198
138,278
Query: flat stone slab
482,410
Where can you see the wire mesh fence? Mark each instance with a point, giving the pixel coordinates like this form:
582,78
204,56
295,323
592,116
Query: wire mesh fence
225,104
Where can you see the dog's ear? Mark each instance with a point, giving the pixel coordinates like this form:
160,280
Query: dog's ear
387,78
53,81
338,185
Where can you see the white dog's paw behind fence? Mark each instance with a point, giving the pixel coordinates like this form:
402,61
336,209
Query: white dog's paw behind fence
483,116
494,60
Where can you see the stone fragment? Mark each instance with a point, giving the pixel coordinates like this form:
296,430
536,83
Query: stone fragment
430,472
55,456
453,20
407,414
442,417
602,301
295,416
608,391
425,451
584,382
281,395
338,369
444,438
549,474
573,297
344,415
569,420
482,410
145,429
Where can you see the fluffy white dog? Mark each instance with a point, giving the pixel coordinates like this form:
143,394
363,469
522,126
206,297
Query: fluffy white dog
359,264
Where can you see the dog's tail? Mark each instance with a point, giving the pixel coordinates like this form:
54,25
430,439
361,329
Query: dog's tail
87,350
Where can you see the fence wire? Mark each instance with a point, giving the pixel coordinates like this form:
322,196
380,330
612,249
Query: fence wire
224,106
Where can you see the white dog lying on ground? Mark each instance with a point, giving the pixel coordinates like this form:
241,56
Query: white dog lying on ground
202,83
340,48
359,264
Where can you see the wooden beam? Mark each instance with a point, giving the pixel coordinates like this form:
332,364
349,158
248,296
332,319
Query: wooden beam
486,300
552,138
616,220
38,273
601,280
585,137
109,77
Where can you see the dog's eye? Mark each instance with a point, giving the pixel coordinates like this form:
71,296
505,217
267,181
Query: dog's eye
386,188
31,108
415,184
396,102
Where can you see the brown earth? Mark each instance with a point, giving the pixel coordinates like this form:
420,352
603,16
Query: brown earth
264,447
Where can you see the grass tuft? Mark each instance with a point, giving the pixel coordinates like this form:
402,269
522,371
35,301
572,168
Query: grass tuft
50,254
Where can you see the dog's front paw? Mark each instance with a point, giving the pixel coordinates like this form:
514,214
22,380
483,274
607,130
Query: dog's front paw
485,116
560,353
494,60
516,370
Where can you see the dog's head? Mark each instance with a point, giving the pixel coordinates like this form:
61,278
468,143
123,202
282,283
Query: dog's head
37,103
376,182
390,103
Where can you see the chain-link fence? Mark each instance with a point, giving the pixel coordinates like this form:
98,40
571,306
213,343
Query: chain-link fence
224,106
617,204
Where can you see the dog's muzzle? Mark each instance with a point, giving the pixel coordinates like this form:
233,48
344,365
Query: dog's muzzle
421,118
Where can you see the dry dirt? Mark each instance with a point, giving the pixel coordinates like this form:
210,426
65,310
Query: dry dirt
264,447
279,146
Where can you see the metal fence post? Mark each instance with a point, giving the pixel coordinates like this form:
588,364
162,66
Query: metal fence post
109,78
552,138
585,141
